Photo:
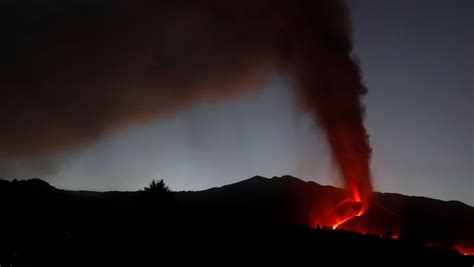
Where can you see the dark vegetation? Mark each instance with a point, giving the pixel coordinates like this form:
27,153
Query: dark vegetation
257,220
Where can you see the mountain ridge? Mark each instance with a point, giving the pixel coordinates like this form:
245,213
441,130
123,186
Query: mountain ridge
255,203
41,183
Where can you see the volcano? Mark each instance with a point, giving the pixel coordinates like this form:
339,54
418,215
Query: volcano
288,199
267,217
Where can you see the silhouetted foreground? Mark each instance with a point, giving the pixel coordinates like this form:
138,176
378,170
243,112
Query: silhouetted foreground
257,220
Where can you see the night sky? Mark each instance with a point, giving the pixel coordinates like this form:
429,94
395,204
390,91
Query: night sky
417,63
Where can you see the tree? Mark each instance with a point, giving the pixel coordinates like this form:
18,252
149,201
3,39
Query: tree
157,187
156,199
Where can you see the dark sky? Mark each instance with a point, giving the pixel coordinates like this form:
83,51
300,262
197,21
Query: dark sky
417,62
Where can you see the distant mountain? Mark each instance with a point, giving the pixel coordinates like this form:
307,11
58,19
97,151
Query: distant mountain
34,184
255,203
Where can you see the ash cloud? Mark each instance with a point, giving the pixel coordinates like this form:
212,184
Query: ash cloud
70,74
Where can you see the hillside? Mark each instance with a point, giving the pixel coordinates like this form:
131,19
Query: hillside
43,224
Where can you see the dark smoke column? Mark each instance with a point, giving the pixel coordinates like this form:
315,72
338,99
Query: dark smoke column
330,86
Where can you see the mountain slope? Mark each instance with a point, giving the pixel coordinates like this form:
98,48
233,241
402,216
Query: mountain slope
290,200
34,210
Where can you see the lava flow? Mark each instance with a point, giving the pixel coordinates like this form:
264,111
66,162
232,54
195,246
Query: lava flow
349,208
346,210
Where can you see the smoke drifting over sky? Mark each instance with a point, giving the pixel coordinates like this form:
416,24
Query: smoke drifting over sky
415,55
76,73
73,73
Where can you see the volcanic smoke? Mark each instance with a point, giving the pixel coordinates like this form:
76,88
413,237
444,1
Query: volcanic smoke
72,73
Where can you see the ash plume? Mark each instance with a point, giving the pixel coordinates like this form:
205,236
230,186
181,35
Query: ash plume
72,72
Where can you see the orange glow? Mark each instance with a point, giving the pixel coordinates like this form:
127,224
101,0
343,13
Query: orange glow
334,227
463,249
338,211
356,194
348,209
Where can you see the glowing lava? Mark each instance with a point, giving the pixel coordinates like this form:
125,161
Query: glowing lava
464,249
334,227
348,209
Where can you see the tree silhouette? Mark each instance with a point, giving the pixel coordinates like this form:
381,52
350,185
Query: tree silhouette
157,187
156,200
